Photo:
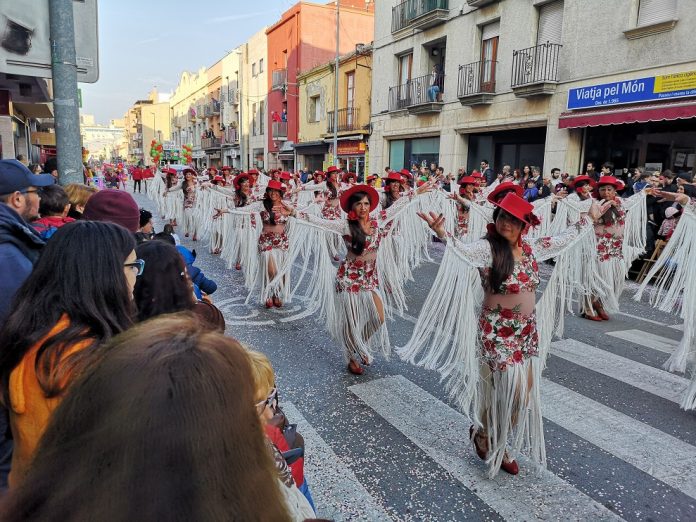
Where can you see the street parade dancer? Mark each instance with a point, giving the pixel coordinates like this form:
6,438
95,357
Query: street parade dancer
493,372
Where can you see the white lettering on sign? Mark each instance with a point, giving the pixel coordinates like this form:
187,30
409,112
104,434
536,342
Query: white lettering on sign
588,93
632,87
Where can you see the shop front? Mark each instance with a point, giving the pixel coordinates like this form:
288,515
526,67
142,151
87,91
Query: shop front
351,155
311,154
517,148
646,122
404,153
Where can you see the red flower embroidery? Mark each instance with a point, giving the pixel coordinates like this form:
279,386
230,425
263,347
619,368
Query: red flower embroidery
517,356
487,328
505,331
353,276
527,328
607,235
506,313
514,289
522,277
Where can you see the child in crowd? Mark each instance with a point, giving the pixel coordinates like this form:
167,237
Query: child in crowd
53,209
531,193
672,215
283,435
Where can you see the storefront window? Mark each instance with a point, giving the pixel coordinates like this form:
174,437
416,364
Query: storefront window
422,151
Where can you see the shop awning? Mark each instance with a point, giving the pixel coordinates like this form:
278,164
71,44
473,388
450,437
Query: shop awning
312,148
628,114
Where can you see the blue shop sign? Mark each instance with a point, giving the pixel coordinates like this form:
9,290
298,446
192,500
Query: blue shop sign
654,88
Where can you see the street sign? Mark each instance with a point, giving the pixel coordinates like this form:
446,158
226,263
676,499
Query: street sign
25,47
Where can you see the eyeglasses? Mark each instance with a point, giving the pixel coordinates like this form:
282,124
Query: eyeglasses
138,266
35,191
271,400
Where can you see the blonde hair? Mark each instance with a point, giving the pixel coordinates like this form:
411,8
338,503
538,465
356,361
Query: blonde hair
78,194
262,371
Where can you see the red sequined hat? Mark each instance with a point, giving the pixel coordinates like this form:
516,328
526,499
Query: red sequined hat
499,192
275,185
371,194
519,208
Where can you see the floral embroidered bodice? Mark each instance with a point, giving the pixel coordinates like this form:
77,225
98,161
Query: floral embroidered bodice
524,276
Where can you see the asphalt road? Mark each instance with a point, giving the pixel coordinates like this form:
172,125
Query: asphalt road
388,445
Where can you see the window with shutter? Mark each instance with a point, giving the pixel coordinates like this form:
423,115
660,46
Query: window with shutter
655,11
550,23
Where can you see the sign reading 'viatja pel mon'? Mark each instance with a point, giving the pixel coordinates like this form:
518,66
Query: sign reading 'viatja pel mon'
678,85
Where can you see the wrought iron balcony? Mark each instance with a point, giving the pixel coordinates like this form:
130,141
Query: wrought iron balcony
280,130
279,78
210,143
535,70
232,96
347,120
230,136
476,83
419,14
417,96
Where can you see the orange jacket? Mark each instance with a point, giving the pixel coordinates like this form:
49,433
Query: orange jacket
30,410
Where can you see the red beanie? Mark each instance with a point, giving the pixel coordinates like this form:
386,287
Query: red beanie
113,206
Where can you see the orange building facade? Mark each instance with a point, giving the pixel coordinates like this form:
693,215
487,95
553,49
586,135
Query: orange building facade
302,39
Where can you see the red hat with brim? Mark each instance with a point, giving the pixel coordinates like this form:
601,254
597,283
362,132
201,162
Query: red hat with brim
219,178
580,179
367,189
499,192
226,167
189,169
286,176
212,169
275,185
519,208
372,177
169,171
468,180
349,175
331,169
238,180
406,172
253,172
320,173
610,180
393,176
476,174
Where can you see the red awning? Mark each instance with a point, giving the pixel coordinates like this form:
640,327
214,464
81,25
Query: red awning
628,114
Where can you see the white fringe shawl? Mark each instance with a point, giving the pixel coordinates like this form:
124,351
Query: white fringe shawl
674,291
241,244
635,228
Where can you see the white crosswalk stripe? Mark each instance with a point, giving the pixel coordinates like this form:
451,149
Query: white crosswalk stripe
442,433
647,339
337,493
652,380
650,450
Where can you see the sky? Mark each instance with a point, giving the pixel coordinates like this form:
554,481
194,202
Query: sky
147,43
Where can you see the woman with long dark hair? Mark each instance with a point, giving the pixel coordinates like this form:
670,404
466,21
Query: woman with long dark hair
392,189
272,243
162,427
352,302
79,295
164,287
493,374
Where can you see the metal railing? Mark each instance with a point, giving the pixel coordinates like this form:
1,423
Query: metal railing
280,129
536,64
279,78
347,120
210,143
230,135
232,96
476,78
404,13
416,91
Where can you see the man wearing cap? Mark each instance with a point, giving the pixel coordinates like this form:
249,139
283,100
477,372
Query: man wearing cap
19,250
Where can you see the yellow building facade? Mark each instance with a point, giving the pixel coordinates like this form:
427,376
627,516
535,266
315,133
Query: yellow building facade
187,113
319,114
146,120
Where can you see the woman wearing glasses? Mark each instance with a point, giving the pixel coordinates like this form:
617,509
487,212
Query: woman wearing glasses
79,295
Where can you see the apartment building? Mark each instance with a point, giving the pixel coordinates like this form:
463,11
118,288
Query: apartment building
534,82
254,101
318,114
146,120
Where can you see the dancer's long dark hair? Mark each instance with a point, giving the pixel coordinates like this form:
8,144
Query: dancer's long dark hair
80,275
503,259
331,186
357,234
242,198
389,199
162,427
268,205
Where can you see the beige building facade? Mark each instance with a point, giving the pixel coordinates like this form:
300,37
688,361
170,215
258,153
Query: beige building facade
317,113
146,120
104,142
254,101
187,113
523,82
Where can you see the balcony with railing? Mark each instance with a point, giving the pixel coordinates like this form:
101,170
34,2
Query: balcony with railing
210,143
212,108
480,3
419,14
347,120
232,96
417,96
280,130
230,136
476,83
535,70
279,79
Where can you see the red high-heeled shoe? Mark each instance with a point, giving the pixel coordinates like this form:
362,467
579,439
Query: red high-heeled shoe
510,467
472,436
277,302
269,303
355,368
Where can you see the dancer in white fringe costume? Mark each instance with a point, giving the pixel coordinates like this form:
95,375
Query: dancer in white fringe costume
271,245
352,300
186,218
310,195
674,289
493,373
620,236
241,197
